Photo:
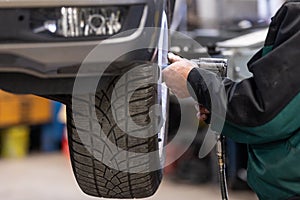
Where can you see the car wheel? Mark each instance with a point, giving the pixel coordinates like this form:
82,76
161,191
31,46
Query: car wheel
130,173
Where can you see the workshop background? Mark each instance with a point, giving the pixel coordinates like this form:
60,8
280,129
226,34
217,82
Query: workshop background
34,160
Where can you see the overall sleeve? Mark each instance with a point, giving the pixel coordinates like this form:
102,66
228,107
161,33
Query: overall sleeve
263,108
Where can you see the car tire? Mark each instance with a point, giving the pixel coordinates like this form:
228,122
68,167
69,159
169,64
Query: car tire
89,160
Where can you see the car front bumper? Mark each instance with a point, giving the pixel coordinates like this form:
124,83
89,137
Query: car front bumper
50,67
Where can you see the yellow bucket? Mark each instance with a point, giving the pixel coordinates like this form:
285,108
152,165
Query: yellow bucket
15,142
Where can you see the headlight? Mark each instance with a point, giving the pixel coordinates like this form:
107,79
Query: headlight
78,21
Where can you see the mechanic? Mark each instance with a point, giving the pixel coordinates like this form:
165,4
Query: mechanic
262,111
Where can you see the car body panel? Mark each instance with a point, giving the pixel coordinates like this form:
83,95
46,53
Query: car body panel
40,62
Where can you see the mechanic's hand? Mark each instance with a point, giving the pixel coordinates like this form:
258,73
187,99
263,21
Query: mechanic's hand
202,113
175,76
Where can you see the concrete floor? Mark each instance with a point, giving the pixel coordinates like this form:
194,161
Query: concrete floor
49,177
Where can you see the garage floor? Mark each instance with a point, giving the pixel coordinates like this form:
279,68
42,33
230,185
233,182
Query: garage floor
49,177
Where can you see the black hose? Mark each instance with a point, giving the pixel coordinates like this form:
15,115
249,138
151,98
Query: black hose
221,164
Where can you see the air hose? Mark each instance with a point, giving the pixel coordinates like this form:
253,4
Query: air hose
222,168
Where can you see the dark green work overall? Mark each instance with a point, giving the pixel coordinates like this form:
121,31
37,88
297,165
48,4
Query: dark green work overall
270,122
264,111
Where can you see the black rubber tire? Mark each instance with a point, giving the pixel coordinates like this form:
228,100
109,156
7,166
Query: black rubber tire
92,174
